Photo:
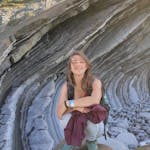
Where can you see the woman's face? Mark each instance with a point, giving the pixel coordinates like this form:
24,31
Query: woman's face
78,65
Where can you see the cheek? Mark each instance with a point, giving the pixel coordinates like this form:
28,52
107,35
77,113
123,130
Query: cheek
71,67
76,67
85,67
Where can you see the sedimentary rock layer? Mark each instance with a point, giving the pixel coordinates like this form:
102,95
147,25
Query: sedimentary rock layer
115,35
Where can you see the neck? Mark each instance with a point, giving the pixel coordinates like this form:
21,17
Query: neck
78,79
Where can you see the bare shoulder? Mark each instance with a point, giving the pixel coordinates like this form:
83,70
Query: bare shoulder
97,83
63,92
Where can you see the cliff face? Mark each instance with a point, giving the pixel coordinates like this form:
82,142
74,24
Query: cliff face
114,34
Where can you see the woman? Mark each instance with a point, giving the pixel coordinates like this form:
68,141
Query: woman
79,104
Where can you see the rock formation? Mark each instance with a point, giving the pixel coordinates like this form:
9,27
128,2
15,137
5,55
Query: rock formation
114,34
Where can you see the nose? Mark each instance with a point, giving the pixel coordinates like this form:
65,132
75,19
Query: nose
78,62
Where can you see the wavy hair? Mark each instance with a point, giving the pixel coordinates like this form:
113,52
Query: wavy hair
88,76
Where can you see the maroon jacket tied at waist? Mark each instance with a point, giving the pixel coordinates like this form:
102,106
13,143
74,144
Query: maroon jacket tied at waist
74,131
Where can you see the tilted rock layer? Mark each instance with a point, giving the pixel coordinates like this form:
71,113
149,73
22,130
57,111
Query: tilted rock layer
114,34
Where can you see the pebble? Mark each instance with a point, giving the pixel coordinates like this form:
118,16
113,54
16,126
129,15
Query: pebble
136,122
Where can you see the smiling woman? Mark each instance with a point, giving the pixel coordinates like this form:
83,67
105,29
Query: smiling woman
79,104
79,67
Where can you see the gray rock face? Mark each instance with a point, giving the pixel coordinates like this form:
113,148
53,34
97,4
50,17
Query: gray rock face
115,35
114,144
15,12
131,139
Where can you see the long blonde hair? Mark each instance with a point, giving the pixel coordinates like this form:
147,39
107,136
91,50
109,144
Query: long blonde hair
88,76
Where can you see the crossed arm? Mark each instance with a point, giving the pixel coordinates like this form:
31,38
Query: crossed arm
81,104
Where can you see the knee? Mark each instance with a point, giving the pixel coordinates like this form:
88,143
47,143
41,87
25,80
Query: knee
91,128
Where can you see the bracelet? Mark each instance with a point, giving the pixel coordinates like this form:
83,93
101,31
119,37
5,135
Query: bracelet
71,103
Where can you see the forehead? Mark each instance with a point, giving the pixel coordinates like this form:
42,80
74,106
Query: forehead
76,57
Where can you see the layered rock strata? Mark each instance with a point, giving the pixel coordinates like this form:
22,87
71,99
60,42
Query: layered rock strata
115,35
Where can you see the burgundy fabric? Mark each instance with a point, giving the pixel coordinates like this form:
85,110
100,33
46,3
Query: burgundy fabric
74,131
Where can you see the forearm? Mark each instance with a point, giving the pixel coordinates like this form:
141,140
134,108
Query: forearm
80,109
61,109
69,110
86,101
73,109
83,102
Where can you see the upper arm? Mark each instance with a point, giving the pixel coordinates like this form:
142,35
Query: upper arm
97,89
63,96
63,93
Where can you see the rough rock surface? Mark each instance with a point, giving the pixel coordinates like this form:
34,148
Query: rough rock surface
114,34
17,11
